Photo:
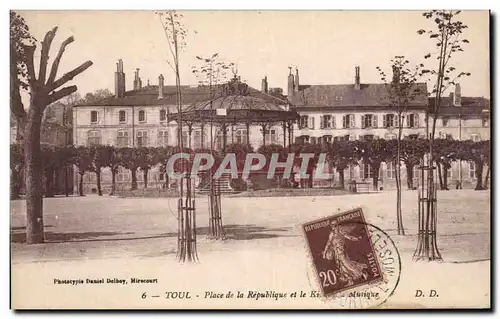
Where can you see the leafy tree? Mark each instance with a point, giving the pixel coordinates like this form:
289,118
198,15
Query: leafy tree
44,90
96,96
19,37
413,152
103,156
114,162
343,155
84,163
130,161
16,166
147,159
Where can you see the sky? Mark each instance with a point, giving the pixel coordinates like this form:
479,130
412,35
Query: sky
324,45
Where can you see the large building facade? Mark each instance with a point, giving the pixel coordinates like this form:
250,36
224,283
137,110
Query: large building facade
140,117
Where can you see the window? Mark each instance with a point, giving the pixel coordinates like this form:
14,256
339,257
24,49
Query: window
486,122
449,136
163,115
472,170
351,173
185,139
390,137
162,138
122,116
368,121
197,139
391,170
270,136
367,171
412,120
326,139
142,138
241,136
475,137
348,121
304,121
94,138
93,116
327,121
446,121
161,177
449,174
142,116
219,140
413,136
367,137
389,120
122,139
123,175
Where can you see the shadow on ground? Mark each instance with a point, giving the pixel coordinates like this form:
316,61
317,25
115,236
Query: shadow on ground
51,237
234,232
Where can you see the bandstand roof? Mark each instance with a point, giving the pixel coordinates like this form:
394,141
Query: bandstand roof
235,104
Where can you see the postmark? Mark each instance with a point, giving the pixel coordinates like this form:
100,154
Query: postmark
352,264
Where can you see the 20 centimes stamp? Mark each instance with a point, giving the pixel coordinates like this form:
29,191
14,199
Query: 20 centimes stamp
353,264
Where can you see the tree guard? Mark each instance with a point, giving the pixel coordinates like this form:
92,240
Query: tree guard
427,218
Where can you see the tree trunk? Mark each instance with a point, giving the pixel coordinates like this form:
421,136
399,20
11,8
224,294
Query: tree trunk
445,177
34,179
66,186
49,183
80,186
134,179
310,178
341,178
376,173
15,183
113,182
145,177
98,179
487,178
409,175
479,175
399,213
440,175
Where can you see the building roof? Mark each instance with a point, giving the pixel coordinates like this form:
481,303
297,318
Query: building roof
148,96
346,95
477,102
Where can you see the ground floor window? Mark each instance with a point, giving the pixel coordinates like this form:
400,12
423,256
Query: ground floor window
391,170
123,175
472,170
367,171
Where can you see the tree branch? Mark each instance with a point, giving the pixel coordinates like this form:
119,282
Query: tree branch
55,64
57,95
69,76
46,43
29,50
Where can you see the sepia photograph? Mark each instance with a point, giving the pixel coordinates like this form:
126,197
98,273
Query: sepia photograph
279,160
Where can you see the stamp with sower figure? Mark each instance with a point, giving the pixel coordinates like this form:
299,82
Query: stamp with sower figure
349,255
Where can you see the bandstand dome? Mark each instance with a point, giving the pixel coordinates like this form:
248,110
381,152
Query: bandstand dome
235,103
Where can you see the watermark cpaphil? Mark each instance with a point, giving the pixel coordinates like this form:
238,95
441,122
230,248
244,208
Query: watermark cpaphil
295,164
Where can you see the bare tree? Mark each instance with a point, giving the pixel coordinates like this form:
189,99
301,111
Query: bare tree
447,33
175,34
401,91
211,73
43,91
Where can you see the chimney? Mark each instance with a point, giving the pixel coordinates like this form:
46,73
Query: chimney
357,84
290,84
119,80
264,87
137,80
296,86
161,81
457,100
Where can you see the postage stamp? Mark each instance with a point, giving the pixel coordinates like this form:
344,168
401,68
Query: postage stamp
354,263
